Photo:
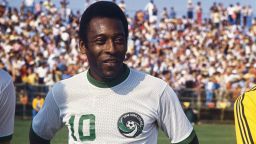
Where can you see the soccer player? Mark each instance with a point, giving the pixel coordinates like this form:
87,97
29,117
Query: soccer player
7,107
110,103
245,117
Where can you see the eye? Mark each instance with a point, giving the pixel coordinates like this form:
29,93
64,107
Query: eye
119,40
100,41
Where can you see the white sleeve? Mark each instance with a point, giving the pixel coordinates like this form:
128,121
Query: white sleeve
7,109
47,121
171,117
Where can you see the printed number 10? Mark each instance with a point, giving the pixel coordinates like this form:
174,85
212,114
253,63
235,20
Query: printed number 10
91,135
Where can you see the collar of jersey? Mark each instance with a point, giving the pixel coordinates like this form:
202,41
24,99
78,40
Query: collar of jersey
111,83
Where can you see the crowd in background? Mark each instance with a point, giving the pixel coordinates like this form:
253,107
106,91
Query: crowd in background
217,53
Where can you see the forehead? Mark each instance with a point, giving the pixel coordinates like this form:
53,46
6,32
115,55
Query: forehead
104,25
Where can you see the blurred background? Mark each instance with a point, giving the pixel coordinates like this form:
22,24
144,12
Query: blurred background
133,5
205,50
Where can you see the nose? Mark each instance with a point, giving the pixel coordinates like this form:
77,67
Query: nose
110,46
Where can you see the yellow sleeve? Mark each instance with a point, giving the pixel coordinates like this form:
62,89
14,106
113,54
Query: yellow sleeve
34,102
245,114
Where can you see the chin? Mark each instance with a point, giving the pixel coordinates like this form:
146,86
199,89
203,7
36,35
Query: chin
110,75
110,70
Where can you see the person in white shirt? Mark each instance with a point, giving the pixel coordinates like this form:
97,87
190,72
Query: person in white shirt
231,14
237,10
7,107
29,6
149,8
190,11
110,102
122,5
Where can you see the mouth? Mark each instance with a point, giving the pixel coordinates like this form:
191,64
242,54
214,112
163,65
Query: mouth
111,62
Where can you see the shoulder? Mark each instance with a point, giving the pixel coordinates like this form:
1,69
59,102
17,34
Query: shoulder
148,83
5,80
67,86
251,93
5,77
252,90
71,82
247,98
147,78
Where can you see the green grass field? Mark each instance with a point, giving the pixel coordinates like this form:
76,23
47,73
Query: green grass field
207,134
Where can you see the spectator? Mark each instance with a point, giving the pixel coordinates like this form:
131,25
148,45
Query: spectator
216,17
172,13
190,12
24,101
231,14
29,6
244,12
122,5
152,11
190,113
65,12
160,47
209,88
250,16
42,71
199,13
37,104
164,14
237,10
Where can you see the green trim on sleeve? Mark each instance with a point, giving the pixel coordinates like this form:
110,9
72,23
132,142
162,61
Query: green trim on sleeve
109,84
189,139
6,138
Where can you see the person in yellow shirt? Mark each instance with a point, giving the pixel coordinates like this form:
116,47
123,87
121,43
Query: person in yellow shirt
37,104
31,80
32,77
245,117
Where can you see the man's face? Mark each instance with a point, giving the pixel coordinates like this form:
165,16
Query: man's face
105,48
2,10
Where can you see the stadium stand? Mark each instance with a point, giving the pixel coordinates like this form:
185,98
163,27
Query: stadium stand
208,61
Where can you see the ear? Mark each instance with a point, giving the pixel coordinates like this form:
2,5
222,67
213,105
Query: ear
82,47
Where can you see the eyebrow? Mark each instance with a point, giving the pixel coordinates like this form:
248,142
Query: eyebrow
103,35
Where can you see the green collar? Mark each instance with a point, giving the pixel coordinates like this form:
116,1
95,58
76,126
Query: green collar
108,84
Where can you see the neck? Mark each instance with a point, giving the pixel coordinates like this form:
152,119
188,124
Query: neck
109,82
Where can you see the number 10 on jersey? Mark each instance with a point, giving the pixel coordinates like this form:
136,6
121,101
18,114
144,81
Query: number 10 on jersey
80,125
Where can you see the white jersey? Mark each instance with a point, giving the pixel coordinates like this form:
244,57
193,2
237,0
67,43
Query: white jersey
129,112
7,105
